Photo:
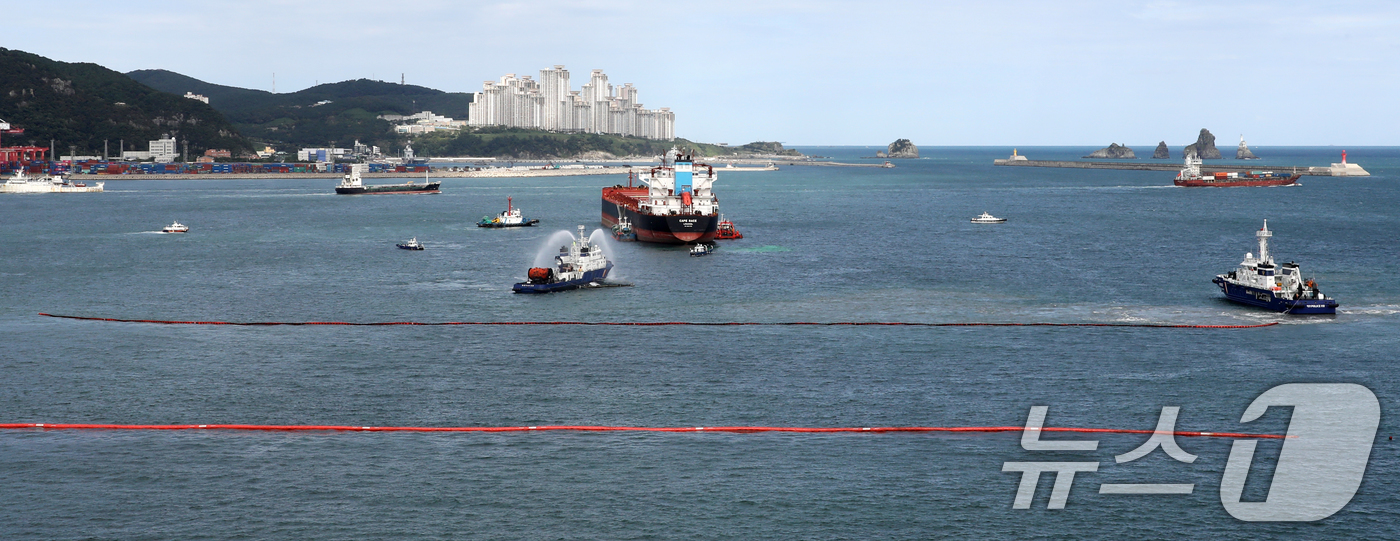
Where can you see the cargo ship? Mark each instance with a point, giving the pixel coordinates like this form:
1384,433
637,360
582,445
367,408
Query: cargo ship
1190,176
579,264
352,185
1281,288
674,204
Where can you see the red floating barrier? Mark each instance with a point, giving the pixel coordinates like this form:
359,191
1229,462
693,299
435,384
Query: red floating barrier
586,428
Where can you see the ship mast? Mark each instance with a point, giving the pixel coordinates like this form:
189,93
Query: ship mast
1264,235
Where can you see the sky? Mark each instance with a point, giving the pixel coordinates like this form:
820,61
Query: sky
813,72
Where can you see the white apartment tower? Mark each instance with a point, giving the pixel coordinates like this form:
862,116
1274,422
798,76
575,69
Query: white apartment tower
549,104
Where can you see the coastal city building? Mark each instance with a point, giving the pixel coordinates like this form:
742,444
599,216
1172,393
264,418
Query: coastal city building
549,104
424,122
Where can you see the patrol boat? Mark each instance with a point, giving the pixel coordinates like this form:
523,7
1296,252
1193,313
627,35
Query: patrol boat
1282,288
579,264
23,183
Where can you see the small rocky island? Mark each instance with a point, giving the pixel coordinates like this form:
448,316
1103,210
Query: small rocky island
1114,151
1161,153
1204,147
901,148
1243,153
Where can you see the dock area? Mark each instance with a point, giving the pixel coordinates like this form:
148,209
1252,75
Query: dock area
1346,170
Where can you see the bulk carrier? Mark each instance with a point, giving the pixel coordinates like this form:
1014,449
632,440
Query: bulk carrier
675,204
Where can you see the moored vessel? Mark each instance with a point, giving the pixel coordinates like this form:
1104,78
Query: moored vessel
512,217
1281,288
1190,176
674,205
21,182
579,264
702,249
353,185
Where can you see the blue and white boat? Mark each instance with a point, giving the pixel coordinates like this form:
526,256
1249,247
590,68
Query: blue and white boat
579,264
1281,288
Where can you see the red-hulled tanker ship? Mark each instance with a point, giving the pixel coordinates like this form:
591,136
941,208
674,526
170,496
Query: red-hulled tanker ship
675,204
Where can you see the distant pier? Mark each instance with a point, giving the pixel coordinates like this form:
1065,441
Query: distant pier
1350,170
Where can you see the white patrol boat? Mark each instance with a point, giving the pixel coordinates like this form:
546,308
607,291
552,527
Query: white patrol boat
987,218
23,183
176,227
1259,282
579,264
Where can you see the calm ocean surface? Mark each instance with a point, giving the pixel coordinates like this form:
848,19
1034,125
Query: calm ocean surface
822,244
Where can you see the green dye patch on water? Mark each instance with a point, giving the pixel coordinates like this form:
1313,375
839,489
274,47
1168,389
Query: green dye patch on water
760,249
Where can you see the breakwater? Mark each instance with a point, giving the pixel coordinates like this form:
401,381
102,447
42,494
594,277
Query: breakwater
1211,168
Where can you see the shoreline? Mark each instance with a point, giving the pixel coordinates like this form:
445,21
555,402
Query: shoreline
485,173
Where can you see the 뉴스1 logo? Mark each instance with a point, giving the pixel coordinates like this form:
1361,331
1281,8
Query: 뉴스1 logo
1319,468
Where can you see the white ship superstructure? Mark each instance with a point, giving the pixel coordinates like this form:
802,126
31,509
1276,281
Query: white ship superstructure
679,186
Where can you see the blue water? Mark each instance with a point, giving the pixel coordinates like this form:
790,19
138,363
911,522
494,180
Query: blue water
821,244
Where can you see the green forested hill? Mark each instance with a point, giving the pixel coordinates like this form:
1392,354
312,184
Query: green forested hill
294,119
80,104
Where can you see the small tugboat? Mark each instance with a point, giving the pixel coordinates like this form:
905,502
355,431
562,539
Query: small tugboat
725,230
411,244
512,217
580,264
702,249
175,227
352,185
1258,282
986,218
622,231
1190,177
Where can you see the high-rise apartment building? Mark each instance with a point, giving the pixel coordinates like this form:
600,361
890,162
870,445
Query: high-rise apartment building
549,104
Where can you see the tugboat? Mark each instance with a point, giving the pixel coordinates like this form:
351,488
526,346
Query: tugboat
622,231
411,244
702,249
725,230
987,218
675,205
580,264
352,185
1190,176
1258,282
510,218
175,227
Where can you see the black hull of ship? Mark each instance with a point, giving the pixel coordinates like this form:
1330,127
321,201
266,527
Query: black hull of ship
680,229
389,189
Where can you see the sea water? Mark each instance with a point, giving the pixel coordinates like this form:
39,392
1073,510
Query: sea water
821,244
